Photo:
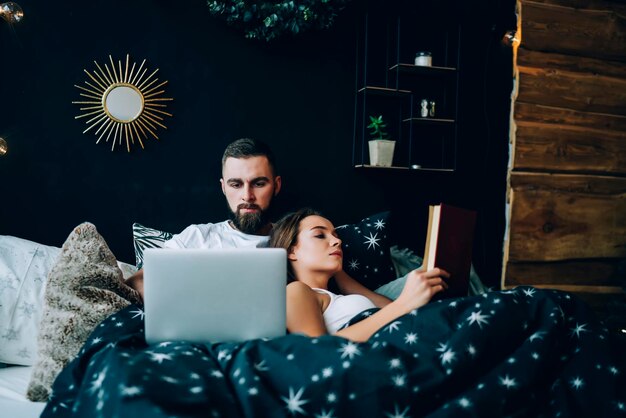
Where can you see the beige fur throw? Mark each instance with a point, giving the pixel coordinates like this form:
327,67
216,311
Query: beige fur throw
84,287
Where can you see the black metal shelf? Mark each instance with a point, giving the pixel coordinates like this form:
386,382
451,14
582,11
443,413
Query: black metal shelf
384,91
430,121
366,166
423,70
388,86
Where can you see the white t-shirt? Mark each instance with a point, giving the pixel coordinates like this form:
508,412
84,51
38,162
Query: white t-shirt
219,235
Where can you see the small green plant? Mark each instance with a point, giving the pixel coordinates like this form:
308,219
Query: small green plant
378,128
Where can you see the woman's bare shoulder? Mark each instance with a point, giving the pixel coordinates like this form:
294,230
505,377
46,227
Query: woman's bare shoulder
299,288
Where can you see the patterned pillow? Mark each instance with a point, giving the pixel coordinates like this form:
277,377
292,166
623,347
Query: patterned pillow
366,254
144,237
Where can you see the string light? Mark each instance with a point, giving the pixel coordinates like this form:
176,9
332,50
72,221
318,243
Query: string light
11,12
4,148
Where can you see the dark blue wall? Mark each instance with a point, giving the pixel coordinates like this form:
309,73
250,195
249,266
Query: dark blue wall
297,94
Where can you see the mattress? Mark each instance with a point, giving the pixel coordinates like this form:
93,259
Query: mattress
13,402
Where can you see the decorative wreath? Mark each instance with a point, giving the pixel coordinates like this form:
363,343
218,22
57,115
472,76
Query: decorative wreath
268,20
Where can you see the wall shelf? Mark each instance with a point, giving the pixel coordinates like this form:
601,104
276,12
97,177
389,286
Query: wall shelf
377,167
423,70
383,91
388,86
432,121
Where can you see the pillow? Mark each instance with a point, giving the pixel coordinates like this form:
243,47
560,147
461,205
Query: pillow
24,267
144,237
366,251
84,287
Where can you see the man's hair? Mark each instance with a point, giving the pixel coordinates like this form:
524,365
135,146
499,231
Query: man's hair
246,148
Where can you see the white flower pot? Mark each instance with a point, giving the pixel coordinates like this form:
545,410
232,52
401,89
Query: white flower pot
381,152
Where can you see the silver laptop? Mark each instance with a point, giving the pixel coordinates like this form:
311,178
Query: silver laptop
214,295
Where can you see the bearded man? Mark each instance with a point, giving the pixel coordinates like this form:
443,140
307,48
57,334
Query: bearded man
249,182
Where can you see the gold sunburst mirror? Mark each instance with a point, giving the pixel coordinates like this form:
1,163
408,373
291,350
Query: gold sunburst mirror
122,104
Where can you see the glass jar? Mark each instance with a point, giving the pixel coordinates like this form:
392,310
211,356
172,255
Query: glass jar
424,59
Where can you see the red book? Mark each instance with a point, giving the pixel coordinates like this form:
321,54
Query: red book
449,246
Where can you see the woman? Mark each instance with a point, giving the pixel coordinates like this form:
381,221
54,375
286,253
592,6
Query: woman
314,254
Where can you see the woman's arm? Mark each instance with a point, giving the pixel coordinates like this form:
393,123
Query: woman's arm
419,288
304,311
349,286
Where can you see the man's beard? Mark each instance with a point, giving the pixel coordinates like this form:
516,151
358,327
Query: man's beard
250,222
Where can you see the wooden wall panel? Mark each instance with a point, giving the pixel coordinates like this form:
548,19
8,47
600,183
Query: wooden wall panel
617,6
547,60
572,90
567,175
585,32
603,272
526,112
556,147
561,217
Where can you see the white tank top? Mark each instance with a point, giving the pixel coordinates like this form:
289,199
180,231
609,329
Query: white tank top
342,308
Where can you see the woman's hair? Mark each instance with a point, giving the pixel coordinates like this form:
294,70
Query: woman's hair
285,232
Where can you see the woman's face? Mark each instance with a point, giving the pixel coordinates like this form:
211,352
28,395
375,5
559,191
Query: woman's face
318,248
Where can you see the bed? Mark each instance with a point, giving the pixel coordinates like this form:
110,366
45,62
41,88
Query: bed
518,352
13,403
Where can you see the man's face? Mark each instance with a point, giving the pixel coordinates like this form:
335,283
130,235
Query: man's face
249,186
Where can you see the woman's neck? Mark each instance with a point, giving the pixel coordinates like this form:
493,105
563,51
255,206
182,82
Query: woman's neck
314,279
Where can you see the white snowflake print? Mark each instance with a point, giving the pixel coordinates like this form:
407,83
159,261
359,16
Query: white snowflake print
160,357
129,391
397,414
578,329
353,264
325,414
327,372
349,350
508,382
478,318
393,326
471,350
464,403
395,363
577,383
294,402
372,241
380,224
261,367
410,338
529,292
331,397
138,313
399,380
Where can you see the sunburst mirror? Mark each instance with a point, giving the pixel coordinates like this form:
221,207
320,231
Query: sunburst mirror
122,104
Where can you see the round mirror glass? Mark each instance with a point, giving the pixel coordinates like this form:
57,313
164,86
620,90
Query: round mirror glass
124,103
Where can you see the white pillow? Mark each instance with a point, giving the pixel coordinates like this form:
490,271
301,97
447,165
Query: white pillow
24,267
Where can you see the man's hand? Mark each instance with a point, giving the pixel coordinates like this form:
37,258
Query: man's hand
136,282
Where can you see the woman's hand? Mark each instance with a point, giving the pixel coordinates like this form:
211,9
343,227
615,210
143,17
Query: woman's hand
420,287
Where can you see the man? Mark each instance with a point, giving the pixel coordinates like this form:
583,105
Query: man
249,182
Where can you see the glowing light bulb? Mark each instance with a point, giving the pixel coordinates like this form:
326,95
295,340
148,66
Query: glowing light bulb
4,148
11,12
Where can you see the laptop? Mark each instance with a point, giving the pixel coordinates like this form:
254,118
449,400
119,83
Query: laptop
208,296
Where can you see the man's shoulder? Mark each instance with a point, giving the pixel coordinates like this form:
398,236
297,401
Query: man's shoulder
206,228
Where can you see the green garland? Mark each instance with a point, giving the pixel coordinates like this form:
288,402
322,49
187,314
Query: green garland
268,20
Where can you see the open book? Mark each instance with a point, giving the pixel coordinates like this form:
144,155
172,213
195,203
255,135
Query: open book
449,246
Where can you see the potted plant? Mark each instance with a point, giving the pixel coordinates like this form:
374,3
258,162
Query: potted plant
380,146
